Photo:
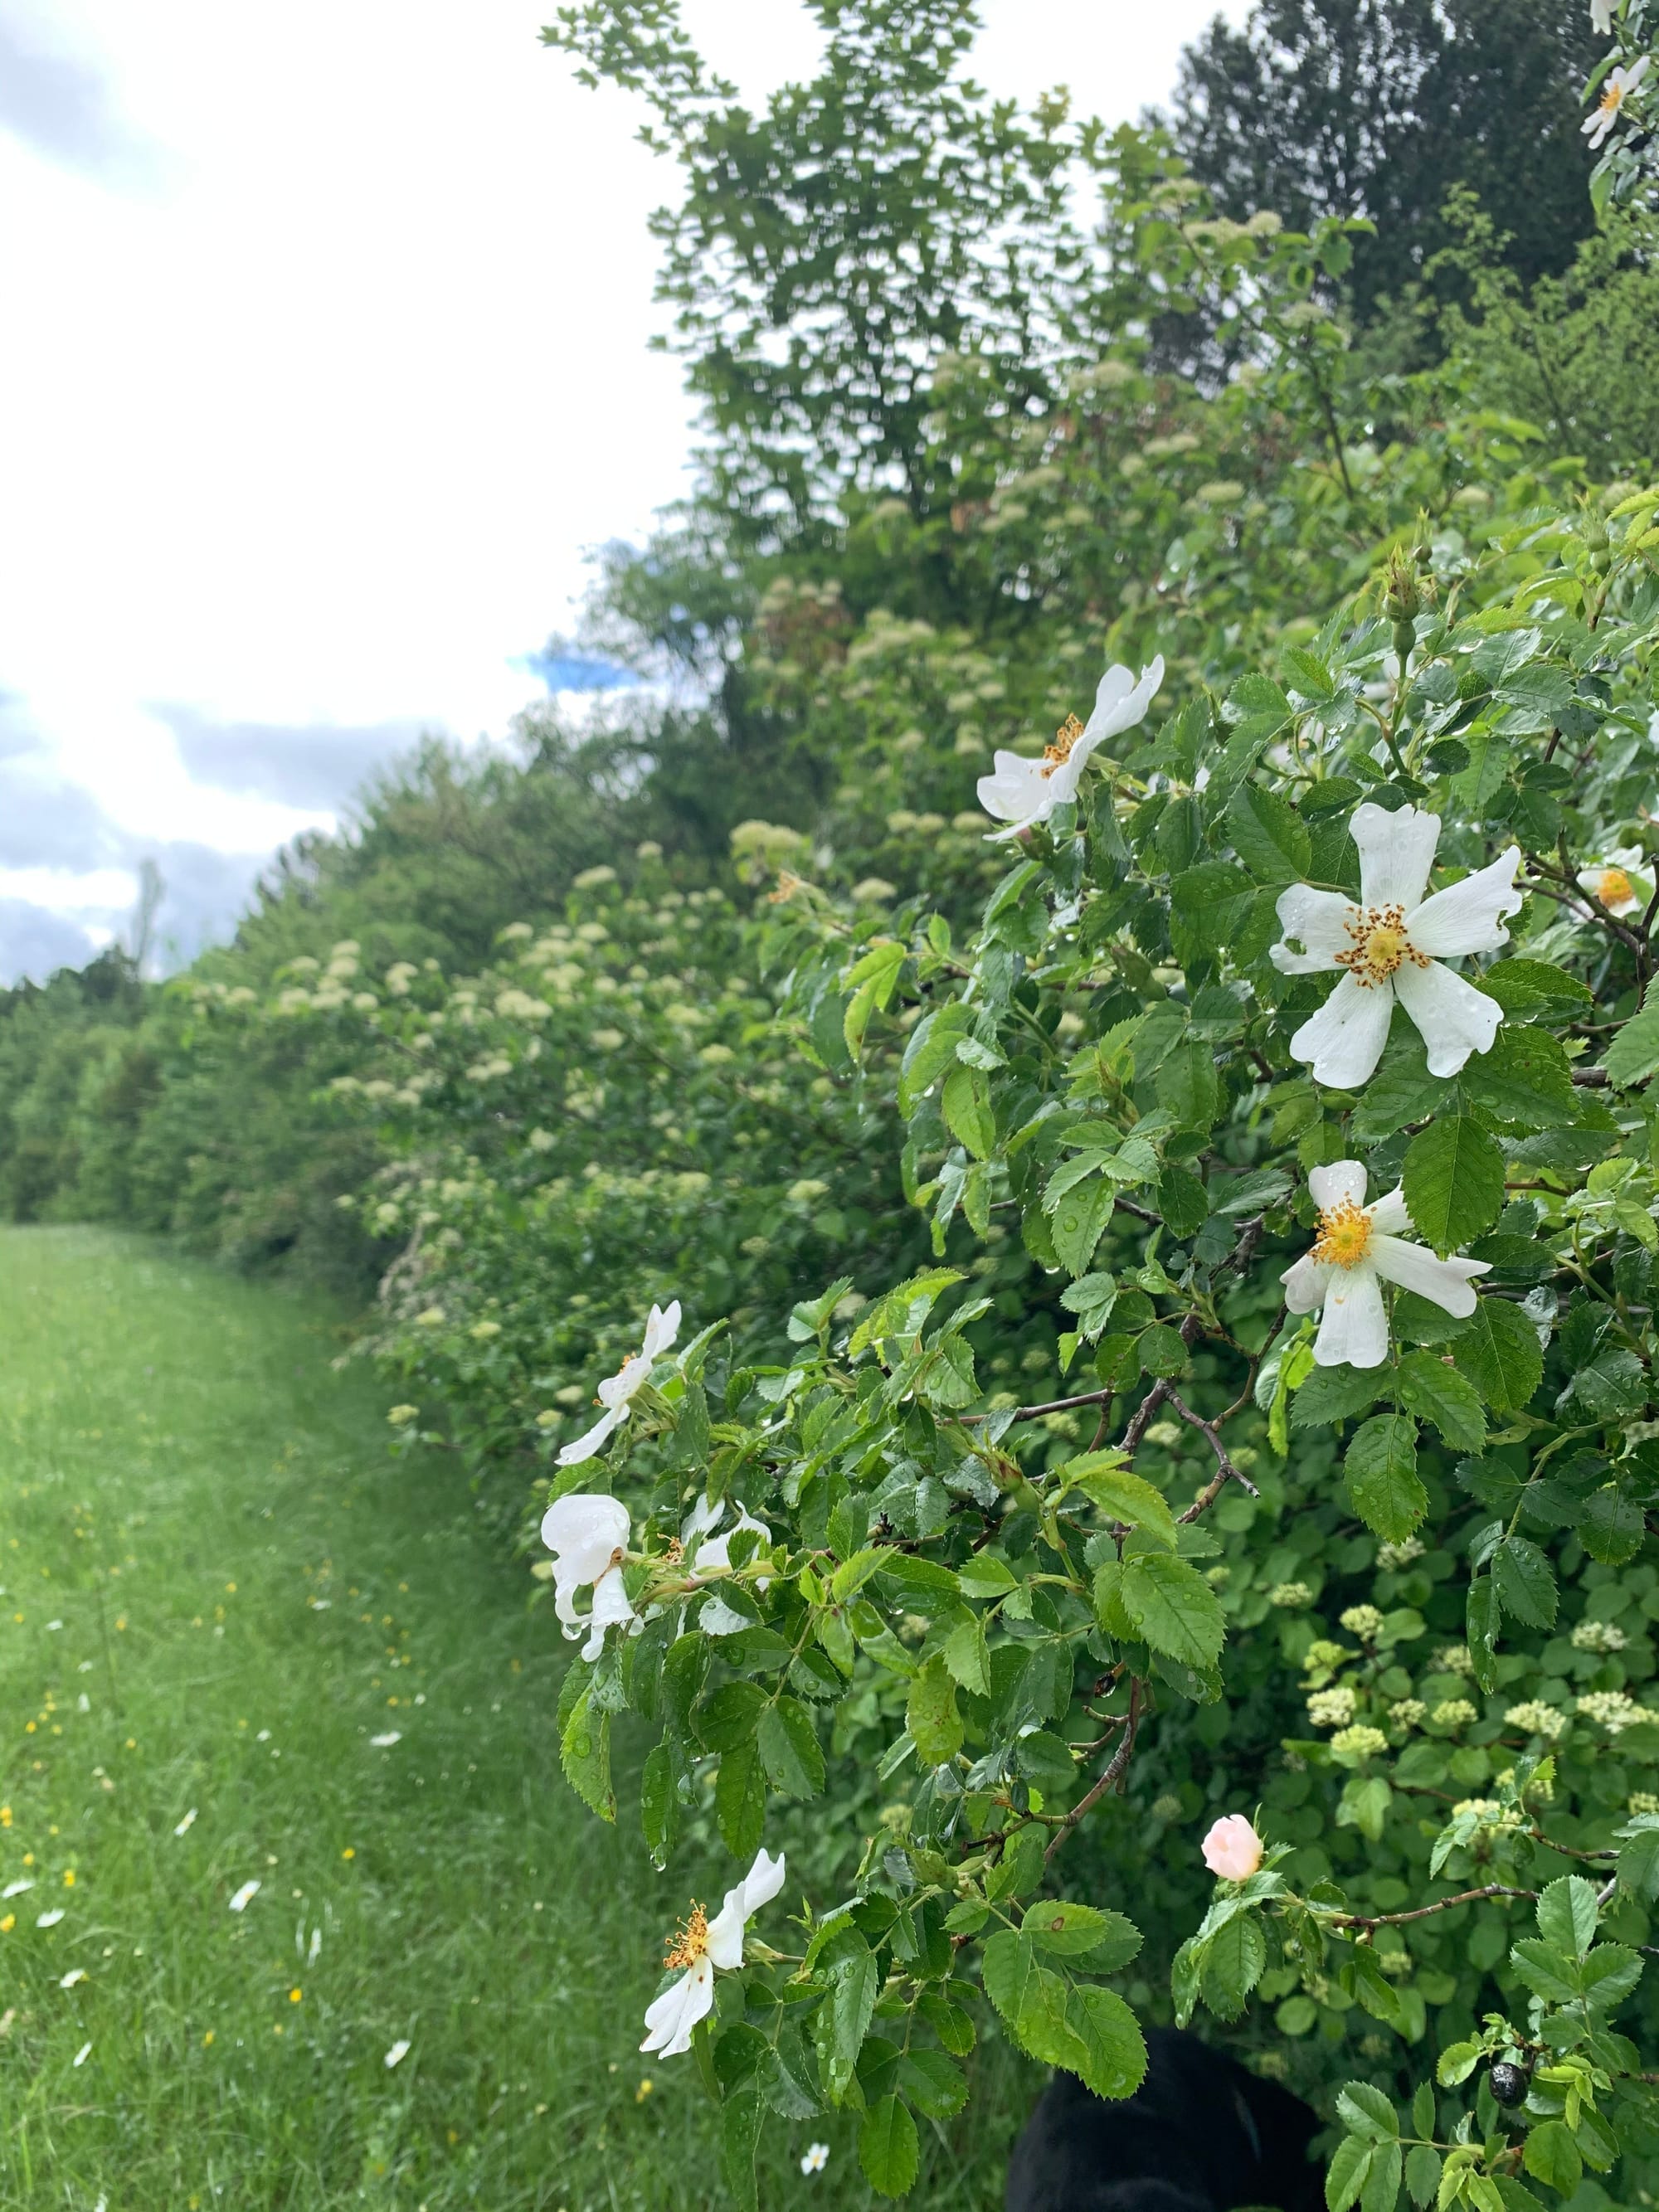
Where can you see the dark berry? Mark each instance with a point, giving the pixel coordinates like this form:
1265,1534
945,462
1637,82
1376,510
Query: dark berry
1509,2083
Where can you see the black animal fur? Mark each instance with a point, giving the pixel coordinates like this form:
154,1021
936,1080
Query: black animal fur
1199,2134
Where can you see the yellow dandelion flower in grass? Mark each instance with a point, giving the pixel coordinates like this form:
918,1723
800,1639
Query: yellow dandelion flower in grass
294,1996
7,1923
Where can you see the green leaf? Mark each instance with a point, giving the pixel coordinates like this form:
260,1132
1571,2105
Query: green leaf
1526,1080
1567,1915
1269,836
1076,1224
1234,1961
740,2130
1525,1583
1336,1394
1111,2050
1454,1182
965,1103
1184,1201
1381,1470
965,1654
1122,1495
932,2084
1611,1973
888,2150
1551,2156
1401,1091
930,1052
1437,1392
585,1755
1057,1924
731,1716
1500,1354
790,1750
1365,2111
1633,1055
930,1714
841,2020
1345,2176
1422,2172
1187,1083
1173,1607
741,1800
659,1803
1612,1526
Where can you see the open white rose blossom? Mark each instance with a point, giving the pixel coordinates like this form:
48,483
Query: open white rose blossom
1023,792
1391,945
1358,1250
700,1946
717,1617
588,1537
1622,883
1616,87
617,1392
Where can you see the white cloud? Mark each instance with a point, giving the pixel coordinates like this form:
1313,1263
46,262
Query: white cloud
335,362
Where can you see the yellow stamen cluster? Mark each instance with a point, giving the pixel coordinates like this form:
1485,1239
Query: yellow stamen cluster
1612,98
689,1943
1380,945
1065,737
1614,888
1345,1233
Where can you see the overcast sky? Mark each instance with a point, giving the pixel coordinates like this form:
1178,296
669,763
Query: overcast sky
326,367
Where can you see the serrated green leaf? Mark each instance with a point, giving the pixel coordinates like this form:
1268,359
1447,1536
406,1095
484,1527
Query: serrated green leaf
790,1750
1173,1608
930,1714
1500,1354
1381,1470
1454,1182
888,2150
1437,1393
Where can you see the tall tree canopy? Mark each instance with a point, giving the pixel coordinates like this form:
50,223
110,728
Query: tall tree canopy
1382,107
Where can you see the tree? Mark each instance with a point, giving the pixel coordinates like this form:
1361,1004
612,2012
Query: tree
1381,108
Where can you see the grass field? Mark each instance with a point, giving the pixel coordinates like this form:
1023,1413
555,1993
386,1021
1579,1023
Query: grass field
221,1597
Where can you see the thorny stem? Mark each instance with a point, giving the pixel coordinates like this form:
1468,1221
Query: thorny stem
1111,1774
1422,1911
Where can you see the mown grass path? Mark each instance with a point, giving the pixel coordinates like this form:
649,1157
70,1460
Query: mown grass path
218,1592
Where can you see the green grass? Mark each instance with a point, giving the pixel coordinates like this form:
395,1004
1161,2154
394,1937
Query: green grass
218,1589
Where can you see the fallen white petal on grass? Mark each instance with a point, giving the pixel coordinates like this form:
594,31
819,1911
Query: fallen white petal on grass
245,1897
188,1821
54,1624
398,2053
84,2054
74,1974
384,1742
321,1604
50,1919
17,1888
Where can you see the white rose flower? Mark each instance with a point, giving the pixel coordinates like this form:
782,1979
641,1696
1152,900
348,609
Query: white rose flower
1359,1249
700,1946
1616,87
1392,945
588,1537
616,1392
717,1617
1023,792
1622,883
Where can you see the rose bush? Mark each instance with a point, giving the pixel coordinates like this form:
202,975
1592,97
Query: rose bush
1402,1565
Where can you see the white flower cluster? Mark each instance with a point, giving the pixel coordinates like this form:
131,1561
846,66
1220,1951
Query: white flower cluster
1598,1636
1534,1718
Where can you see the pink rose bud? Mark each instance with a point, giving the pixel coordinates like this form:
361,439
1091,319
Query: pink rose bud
1232,1849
